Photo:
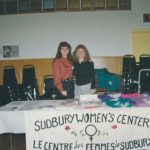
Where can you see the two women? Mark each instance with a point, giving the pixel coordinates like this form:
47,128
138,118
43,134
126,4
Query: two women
63,71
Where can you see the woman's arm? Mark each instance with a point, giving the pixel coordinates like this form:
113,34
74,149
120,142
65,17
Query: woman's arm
57,75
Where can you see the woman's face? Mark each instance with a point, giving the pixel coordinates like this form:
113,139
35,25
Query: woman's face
64,51
80,53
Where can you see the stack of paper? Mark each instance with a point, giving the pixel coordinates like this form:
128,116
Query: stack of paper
89,101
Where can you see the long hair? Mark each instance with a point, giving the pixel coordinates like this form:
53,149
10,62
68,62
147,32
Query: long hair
87,55
59,54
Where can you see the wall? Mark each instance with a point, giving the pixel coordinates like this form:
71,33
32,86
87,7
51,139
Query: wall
105,33
141,43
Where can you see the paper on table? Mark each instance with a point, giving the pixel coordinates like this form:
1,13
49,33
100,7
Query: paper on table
9,108
15,105
89,101
88,97
68,104
30,105
90,104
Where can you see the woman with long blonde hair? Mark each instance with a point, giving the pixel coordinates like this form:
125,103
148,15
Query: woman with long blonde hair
83,71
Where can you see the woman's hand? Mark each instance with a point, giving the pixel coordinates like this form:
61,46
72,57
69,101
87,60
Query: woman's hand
93,91
64,93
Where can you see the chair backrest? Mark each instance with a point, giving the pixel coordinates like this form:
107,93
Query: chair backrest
9,76
129,64
10,85
28,74
145,61
49,85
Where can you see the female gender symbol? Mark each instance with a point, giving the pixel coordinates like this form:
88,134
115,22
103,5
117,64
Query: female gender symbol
90,130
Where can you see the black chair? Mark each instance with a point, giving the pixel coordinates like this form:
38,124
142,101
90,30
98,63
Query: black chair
10,84
145,61
29,83
130,74
144,73
130,66
49,88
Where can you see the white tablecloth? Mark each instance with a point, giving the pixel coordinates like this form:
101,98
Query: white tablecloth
12,115
12,119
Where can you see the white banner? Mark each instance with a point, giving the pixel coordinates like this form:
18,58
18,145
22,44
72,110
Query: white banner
91,129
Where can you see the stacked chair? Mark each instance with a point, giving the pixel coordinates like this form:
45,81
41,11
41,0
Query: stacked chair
144,73
11,90
29,84
130,74
136,76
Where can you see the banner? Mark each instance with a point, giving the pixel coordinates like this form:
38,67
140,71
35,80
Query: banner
88,129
